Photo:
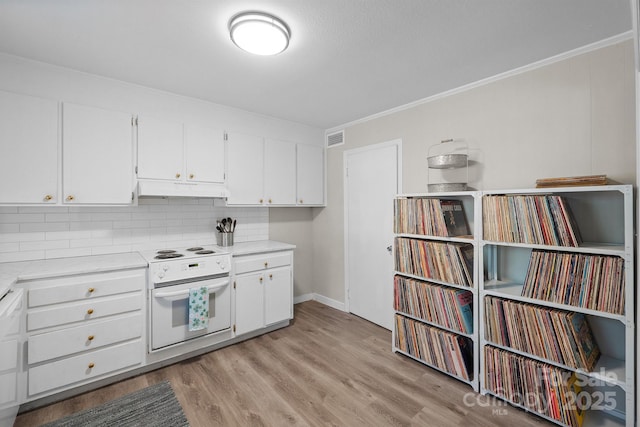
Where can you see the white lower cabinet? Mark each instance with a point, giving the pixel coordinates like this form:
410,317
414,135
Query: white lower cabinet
263,286
83,328
10,386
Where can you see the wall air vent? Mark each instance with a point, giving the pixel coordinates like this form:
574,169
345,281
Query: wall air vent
335,138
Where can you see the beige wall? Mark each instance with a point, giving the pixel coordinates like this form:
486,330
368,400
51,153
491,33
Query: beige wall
573,117
293,225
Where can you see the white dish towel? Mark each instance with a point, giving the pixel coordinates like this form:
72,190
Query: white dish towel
198,308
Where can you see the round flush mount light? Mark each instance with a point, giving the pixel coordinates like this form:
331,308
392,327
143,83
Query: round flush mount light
259,33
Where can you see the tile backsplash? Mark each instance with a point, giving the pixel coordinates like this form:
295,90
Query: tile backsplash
41,232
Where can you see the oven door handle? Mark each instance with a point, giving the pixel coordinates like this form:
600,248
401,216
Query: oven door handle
185,292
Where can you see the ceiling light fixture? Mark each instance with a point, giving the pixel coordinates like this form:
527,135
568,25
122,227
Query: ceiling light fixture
259,33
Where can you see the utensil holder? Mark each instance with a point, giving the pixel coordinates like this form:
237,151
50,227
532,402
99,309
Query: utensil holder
225,239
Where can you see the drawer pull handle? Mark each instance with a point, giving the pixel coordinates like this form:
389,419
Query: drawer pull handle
260,279
90,338
91,365
91,290
266,264
90,311
271,276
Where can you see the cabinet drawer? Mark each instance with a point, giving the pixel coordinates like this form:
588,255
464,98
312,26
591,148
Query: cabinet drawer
78,311
8,388
8,355
85,287
86,337
251,263
84,367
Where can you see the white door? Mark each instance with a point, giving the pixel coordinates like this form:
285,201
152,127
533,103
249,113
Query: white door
245,169
371,183
310,174
277,295
249,302
97,155
279,172
205,154
160,148
29,141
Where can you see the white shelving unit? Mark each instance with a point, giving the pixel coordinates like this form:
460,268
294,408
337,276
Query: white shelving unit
604,217
471,205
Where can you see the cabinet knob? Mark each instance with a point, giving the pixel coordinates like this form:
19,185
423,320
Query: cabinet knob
90,311
301,201
260,279
70,198
178,175
266,264
91,365
91,290
271,277
269,200
48,197
191,176
261,200
90,338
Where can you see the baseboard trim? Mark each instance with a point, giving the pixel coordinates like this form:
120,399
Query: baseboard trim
321,299
302,298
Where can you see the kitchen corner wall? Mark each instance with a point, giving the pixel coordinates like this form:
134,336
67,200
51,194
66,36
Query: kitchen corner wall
574,116
29,233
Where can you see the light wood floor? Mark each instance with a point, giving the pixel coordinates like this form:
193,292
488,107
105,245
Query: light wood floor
328,368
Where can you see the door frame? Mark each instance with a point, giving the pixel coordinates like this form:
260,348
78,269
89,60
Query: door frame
398,144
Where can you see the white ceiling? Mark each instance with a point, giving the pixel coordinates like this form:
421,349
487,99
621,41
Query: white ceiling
347,59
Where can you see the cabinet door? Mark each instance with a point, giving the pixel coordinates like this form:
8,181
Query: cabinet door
278,295
245,157
29,140
160,149
204,148
310,174
280,172
249,303
97,155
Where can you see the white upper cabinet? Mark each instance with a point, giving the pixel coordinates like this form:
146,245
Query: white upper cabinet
160,149
310,174
204,152
97,155
271,172
245,166
29,141
279,173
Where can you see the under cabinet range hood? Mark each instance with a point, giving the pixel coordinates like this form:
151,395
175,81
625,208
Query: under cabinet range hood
181,189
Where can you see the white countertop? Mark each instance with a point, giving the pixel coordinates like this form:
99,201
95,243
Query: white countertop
11,272
48,268
259,246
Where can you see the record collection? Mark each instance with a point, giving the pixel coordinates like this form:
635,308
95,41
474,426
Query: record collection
449,307
581,280
445,350
531,219
537,386
561,336
431,217
448,262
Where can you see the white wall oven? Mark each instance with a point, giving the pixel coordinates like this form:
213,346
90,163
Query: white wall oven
173,273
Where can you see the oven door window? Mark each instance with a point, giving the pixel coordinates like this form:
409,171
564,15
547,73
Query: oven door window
180,311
